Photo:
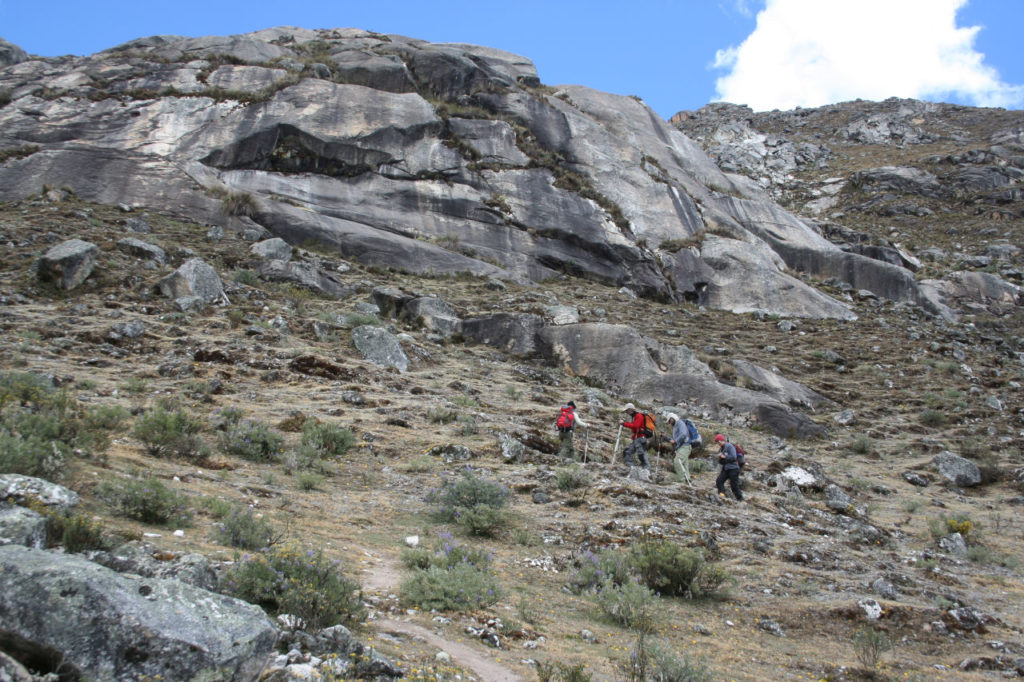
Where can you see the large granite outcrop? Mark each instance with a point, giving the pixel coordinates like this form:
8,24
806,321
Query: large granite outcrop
97,624
401,153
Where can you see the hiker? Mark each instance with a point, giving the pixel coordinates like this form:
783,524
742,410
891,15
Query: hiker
727,459
566,423
683,443
637,424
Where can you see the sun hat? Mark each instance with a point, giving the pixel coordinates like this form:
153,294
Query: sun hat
672,417
629,406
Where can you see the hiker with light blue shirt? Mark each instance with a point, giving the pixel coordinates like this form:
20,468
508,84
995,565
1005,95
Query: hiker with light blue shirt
684,439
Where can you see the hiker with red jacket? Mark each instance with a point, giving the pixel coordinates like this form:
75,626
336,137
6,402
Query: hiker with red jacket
637,425
567,421
730,464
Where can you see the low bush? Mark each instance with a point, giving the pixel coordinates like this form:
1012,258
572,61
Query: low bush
655,661
449,577
442,415
675,571
474,503
147,500
869,644
309,480
107,417
252,440
932,418
74,532
630,604
593,570
169,432
862,445
572,478
329,440
304,584
243,529
943,525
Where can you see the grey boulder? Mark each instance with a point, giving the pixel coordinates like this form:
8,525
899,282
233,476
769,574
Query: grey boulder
140,249
69,263
380,347
956,470
194,278
21,526
19,487
273,249
112,626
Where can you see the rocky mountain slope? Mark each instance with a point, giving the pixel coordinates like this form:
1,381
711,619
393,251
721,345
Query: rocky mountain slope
466,249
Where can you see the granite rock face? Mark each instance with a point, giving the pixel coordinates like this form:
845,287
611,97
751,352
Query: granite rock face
494,176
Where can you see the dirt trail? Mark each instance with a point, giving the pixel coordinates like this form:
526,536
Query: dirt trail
384,578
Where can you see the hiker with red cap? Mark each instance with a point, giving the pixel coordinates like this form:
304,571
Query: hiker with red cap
637,425
566,423
729,462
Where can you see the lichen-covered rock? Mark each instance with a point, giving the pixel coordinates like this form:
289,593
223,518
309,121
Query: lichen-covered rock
380,347
69,263
194,278
113,626
21,488
957,470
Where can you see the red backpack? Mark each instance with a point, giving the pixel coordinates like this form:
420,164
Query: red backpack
566,419
741,456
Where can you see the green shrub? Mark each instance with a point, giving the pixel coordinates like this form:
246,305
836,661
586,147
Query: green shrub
307,458
630,604
32,455
469,426
328,439
239,204
671,570
38,427
106,417
303,584
655,661
25,388
592,570
252,440
236,317
869,644
76,533
248,278
442,415
362,319
463,587
309,480
217,507
166,432
981,554
244,530
862,445
955,523
932,418
476,504
698,466
572,478
147,500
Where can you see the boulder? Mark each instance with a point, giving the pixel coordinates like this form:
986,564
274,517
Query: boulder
11,54
514,333
21,526
69,263
956,470
380,347
140,249
272,249
305,275
954,544
194,278
22,488
433,314
99,624
145,560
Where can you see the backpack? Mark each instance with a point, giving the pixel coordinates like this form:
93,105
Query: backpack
694,434
649,427
741,456
566,419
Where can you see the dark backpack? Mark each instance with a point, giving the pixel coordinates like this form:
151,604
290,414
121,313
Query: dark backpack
694,434
566,419
649,426
741,456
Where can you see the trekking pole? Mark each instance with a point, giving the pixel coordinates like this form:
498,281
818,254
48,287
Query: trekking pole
586,444
616,444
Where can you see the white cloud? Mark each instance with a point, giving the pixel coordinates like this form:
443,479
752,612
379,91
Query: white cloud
813,52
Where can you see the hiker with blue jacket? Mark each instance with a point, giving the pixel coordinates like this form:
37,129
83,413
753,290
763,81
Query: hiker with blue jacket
683,441
730,464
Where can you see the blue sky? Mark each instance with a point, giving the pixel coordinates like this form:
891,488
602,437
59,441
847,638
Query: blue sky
675,54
